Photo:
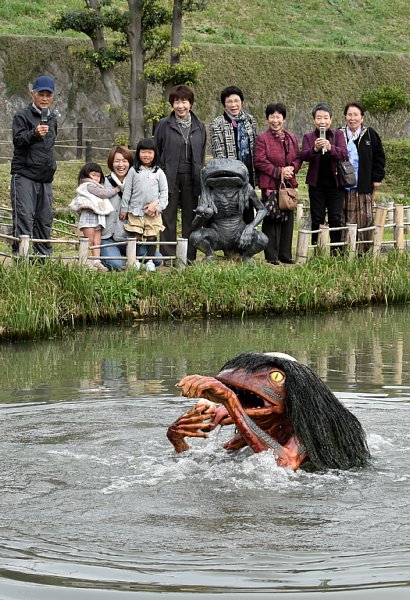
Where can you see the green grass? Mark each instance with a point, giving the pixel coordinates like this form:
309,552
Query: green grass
327,24
39,301
374,25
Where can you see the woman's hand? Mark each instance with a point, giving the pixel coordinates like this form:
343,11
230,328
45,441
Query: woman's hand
122,216
321,143
288,172
375,185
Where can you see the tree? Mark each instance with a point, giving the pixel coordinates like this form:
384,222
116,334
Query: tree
138,88
92,21
133,38
180,68
383,102
178,50
138,35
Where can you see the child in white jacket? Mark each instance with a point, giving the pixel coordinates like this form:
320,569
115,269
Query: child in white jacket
144,197
92,204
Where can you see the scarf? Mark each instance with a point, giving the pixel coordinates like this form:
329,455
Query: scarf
117,181
353,135
237,122
279,134
186,123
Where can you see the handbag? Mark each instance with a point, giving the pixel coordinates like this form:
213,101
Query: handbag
346,175
287,196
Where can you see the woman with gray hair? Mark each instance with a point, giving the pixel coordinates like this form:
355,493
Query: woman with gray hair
366,153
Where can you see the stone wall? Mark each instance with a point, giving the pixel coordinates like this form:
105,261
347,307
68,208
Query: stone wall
299,78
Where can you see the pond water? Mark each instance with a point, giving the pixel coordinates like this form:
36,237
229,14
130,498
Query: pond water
96,504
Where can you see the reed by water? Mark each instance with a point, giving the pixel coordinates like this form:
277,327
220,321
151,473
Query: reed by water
41,300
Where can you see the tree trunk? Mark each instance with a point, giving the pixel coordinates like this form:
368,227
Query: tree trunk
176,39
176,33
114,95
138,86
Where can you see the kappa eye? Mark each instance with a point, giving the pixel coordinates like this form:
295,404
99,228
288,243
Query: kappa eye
276,376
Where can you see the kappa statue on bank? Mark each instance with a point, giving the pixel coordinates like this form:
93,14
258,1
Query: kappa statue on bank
219,223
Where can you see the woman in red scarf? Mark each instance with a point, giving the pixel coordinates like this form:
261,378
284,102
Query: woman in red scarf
275,154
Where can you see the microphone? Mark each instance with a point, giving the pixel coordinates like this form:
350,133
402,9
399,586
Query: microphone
322,134
44,116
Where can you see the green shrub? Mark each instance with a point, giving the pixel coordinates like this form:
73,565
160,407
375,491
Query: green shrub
398,166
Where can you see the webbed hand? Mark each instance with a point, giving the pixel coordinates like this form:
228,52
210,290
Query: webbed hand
193,423
246,237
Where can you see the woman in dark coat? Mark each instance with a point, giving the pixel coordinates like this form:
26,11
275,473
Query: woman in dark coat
275,153
181,140
323,154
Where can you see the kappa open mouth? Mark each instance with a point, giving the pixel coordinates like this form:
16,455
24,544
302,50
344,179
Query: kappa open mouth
248,399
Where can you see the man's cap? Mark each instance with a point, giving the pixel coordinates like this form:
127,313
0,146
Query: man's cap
44,83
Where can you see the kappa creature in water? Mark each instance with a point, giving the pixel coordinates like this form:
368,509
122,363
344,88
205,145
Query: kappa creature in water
276,403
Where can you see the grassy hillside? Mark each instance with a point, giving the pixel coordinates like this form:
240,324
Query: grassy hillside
371,25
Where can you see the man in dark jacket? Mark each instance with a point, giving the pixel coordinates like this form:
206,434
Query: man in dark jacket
33,166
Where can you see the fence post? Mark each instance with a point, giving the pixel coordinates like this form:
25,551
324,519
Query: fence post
390,213
351,235
88,151
83,251
408,219
131,252
24,245
302,246
79,140
181,253
299,214
323,239
379,221
399,227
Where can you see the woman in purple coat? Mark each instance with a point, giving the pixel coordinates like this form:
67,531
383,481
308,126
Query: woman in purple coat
322,149
275,153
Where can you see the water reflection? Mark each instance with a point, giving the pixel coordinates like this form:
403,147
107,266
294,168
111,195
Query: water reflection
94,498
367,346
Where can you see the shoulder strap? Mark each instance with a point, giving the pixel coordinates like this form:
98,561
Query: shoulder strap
114,184
344,129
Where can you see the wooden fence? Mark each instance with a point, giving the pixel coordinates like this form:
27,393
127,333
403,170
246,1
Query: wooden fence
350,242
82,249
75,142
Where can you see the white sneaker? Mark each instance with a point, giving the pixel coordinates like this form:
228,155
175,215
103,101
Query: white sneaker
137,265
150,266
98,266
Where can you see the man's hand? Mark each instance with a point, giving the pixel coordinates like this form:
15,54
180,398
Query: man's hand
41,130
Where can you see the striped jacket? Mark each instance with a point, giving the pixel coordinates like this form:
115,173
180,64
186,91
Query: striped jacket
222,135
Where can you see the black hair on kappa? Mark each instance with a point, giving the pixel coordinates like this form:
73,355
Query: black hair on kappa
332,435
